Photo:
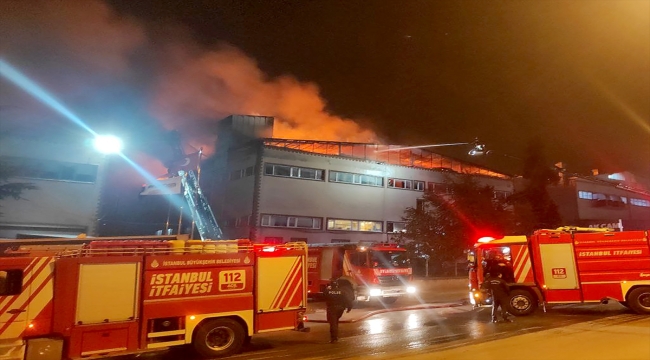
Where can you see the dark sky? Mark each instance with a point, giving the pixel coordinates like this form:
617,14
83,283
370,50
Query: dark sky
574,74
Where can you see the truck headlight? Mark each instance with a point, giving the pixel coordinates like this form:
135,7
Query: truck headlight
375,292
411,289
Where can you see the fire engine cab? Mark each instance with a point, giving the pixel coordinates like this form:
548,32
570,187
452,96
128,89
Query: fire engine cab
373,270
565,265
118,297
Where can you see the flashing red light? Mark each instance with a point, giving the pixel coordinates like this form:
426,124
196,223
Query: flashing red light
486,239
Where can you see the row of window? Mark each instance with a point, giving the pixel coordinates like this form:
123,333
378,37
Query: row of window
294,172
52,169
609,200
360,179
316,223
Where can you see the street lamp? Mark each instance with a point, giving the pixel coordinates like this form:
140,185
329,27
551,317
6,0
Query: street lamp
108,144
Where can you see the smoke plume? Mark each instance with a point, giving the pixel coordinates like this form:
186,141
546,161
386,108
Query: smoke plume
116,73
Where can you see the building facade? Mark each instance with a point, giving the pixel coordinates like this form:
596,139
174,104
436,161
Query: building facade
67,173
617,201
277,190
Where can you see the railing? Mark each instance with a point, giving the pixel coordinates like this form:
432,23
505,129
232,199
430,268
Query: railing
176,247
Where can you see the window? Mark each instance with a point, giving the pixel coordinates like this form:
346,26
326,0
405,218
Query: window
395,227
249,171
359,179
354,225
11,282
53,170
640,202
359,258
585,195
389,259
294,172
418,185
400,184
302,222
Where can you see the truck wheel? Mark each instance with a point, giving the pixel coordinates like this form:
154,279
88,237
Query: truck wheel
388,300
219,338
639,300
521,302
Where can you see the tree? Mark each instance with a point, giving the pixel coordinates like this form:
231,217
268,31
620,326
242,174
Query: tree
11,189
449,223
534,208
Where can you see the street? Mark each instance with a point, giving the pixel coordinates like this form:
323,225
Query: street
422,327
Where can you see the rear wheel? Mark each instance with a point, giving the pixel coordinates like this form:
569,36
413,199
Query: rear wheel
219,338
639,300
521,302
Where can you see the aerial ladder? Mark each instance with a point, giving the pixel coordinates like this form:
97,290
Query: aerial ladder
206,223
202,214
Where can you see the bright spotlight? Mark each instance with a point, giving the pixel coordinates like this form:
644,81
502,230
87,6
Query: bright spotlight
108,144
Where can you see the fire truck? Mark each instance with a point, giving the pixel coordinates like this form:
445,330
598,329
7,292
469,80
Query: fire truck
567,265
374,270
131,296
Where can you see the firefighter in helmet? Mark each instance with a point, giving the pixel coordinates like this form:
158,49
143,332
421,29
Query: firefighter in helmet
338,299
500,293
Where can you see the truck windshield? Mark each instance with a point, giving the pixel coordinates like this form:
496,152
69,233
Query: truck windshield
389,259
471,258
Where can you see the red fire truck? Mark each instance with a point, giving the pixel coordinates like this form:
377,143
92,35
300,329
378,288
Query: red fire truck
374,270
566,265
117,297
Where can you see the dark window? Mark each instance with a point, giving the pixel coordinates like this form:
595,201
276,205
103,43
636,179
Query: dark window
359,258
11,282
388,259
52,169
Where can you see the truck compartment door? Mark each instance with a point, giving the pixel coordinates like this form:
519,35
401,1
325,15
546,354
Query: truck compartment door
559,267
281,291
107,292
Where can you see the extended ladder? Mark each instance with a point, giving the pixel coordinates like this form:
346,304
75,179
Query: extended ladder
202,214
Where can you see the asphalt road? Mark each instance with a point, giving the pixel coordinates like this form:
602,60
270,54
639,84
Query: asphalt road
398,330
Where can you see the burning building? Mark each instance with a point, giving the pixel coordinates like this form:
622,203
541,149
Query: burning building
279,190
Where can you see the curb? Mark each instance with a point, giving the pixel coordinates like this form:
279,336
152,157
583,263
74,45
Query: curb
416,307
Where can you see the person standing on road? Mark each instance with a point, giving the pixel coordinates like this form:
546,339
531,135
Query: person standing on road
500,294
338,298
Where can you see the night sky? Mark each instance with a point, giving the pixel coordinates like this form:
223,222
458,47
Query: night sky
574,74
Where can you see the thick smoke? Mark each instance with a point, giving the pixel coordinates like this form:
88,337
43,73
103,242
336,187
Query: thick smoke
225,81
111,70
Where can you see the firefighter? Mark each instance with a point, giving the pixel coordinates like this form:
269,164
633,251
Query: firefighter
500,293
338,299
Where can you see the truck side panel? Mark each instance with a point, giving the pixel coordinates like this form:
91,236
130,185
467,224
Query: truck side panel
607,261
26,288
